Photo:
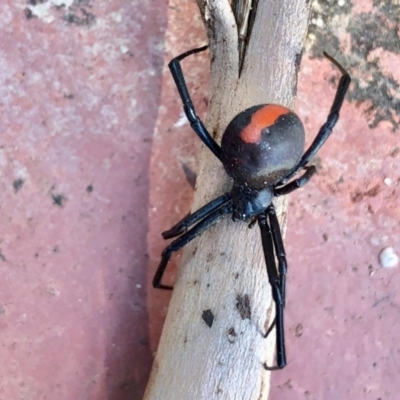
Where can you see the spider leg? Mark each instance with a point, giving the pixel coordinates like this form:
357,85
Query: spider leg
195,122
328,126
297,183
270,237
191,219
177,244
279,249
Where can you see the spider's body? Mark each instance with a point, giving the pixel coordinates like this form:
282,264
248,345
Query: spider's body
261,150
258,148
261,145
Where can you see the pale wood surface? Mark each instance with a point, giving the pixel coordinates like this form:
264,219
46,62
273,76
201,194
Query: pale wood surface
225,361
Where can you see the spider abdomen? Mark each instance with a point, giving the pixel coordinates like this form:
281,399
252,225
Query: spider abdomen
262,144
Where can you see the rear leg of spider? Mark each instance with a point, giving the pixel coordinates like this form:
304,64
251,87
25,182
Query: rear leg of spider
272,244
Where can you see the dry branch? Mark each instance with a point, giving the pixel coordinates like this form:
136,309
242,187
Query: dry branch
225,266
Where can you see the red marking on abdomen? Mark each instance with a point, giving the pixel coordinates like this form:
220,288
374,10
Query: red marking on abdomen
261,119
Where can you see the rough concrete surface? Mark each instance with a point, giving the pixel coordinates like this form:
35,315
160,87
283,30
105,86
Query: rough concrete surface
80,85
96,160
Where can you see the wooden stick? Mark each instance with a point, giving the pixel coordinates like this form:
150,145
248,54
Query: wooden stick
223,271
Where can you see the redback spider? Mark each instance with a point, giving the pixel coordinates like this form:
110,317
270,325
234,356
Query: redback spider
261,149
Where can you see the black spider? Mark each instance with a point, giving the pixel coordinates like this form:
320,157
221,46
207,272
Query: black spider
261,149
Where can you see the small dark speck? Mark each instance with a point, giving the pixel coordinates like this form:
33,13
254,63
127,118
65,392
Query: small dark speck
68,96
298,331
381,300
325,237
83,18
236,275
190,175
297,61
208,317
231,335
288,384
89,188
17,185
243,306
374,364
2,256
370,270
28,13
58,199
209,257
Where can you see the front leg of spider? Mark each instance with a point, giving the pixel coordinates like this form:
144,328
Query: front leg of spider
195,122
261,150
327,128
